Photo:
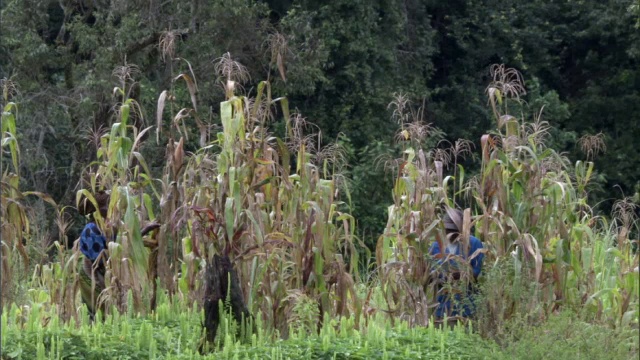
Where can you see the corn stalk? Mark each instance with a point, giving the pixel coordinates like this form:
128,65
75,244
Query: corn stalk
15,224
286,233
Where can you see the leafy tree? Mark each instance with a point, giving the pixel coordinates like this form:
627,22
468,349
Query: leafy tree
339,63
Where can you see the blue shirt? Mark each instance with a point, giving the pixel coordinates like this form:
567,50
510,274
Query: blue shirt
444,307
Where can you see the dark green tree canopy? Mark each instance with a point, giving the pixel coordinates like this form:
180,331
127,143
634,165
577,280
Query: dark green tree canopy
340,63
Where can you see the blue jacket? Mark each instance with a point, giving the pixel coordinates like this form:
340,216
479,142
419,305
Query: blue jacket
460,307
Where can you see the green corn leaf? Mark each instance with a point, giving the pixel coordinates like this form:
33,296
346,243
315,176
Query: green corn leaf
229,217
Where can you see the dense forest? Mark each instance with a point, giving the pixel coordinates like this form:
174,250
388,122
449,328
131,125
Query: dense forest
340,64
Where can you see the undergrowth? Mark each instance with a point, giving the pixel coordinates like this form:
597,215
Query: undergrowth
173,332
33,332
566,336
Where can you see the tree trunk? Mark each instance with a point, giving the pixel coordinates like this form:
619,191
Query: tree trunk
218,291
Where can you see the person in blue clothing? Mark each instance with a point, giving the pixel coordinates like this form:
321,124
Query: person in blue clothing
455,299
93,245
92,240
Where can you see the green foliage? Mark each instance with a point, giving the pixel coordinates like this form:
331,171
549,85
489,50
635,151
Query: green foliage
369,202
66,52
285,207
288,232
340,73
505,292
15,223
564,336
531,211
358,64
236,196
35,332
294,246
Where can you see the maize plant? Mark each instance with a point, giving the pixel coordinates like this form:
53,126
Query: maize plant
15,224
121,172
530,211
286,232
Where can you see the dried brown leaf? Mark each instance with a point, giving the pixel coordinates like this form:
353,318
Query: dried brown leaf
161,101
191,86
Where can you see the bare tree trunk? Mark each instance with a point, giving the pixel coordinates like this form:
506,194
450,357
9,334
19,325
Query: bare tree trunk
222,287
195,7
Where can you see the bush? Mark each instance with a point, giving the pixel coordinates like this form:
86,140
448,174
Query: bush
563,336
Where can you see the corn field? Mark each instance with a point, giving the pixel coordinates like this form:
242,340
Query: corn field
279,208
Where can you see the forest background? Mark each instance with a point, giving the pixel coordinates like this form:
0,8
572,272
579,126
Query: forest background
339,63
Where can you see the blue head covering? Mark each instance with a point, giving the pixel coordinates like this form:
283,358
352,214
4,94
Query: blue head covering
92,242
